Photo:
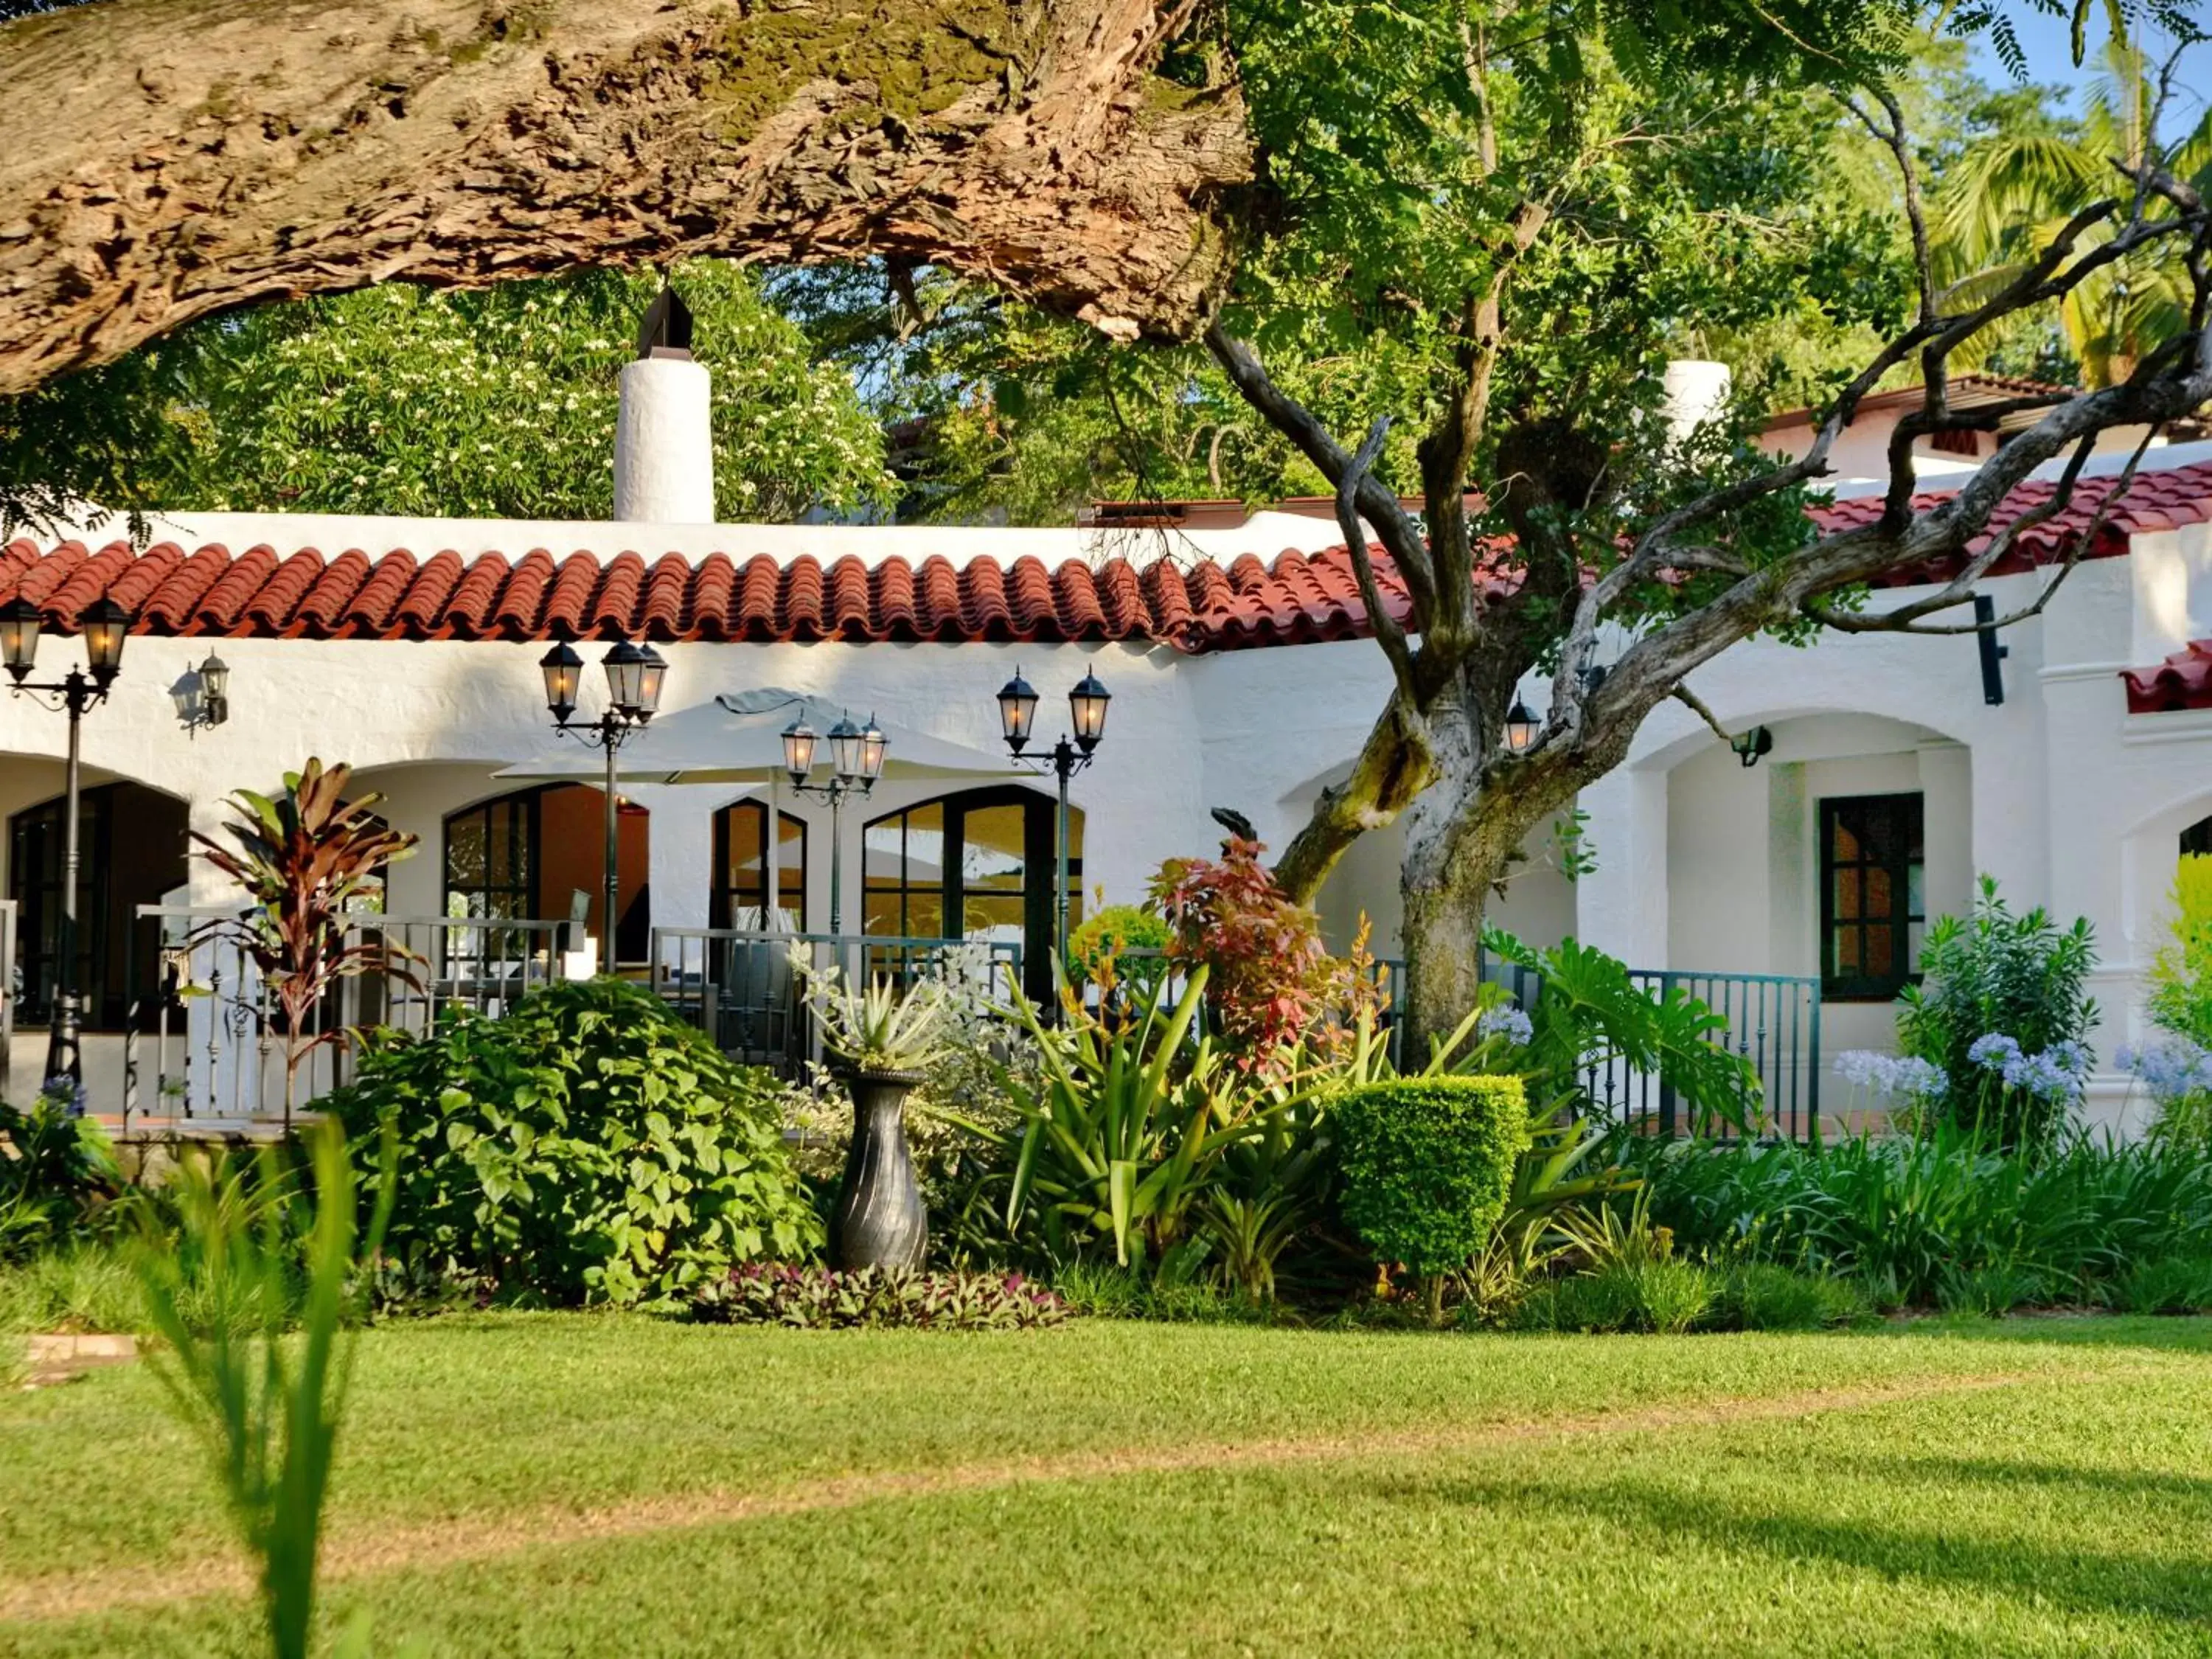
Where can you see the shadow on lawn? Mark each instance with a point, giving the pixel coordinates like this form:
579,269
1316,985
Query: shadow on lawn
2077,1581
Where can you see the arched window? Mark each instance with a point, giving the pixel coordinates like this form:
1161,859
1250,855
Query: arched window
975,866
528,854
740,894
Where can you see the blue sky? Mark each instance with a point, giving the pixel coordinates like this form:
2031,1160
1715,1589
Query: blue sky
2048,41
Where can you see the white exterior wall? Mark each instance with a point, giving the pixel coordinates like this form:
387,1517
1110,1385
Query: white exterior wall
1702,863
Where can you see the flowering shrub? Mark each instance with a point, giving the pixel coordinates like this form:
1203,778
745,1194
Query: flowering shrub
1993,975
1272,982
823,1298
2178,1073
1911,1087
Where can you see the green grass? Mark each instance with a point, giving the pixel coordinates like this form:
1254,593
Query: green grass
2065,1511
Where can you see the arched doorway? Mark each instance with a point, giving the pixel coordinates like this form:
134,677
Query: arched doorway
131,848
975,865
539,854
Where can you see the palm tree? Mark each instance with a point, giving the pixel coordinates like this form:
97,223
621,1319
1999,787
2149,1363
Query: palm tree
2007,193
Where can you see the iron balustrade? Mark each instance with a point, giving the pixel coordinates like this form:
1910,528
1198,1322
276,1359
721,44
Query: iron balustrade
740,987
1771,1021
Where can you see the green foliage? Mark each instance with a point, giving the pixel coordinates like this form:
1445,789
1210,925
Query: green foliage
1124,1134
494,403
885,1027
57,1176
1671,1296
269,1410
1428,1163
1906,1216
1590,1015
587,1145
823,1298
76,1287
1758,1296
1995,973
2167,1284
1107,932
2181,973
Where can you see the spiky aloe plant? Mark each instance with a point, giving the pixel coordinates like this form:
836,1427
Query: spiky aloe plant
303,857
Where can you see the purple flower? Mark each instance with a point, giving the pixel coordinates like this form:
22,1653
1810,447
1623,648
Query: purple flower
1506,1021
1895,1077
1994,1051
2171,1069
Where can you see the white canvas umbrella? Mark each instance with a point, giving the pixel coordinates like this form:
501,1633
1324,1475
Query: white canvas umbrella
738,738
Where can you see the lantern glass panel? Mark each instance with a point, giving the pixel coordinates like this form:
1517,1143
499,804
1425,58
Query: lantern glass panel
625,666
1017,702
655,671
564,672
874,749
18,636
845,749
798,741
1087,709
105,624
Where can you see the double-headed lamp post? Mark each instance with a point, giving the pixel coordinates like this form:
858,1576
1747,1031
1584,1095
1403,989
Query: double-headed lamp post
104,624
635,674
1086,713
856,761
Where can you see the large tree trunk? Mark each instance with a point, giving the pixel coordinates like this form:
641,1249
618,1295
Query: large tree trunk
163,160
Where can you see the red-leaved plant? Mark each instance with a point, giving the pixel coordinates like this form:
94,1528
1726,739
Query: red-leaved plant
1273,983
303,857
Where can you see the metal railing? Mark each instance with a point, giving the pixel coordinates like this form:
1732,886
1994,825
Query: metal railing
1771,1021
741,988
215,1035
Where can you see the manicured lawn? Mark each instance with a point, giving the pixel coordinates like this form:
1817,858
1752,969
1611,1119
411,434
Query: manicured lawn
569,1484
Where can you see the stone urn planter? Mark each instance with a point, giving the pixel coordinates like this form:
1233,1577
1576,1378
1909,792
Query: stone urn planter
880,1221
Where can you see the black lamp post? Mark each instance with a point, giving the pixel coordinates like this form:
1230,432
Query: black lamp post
856,761
1086,713
635,674
104,624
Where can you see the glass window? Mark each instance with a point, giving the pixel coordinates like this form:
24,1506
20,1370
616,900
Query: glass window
1873,894
975,865
740,898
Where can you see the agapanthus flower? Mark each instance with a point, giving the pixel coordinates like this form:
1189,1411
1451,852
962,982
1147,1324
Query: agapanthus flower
2171,1069
1894,1077
1507,1021
1994,1051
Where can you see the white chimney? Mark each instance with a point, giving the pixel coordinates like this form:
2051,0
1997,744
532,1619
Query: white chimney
1695,391
664,433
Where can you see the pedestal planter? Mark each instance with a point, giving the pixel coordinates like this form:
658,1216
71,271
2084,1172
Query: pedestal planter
881,1221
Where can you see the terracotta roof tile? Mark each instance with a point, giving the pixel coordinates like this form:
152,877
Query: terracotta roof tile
1291,598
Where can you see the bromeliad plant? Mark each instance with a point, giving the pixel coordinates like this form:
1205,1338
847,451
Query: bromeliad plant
306,858
886,1029
1125,1135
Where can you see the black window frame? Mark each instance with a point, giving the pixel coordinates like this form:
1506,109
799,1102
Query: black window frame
1040,811
489,943
1910,850
723,902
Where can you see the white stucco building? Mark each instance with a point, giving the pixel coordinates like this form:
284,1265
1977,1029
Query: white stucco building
1241,678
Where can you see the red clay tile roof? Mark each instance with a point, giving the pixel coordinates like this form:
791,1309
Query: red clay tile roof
1298,599
2182,681
210,591
2154,500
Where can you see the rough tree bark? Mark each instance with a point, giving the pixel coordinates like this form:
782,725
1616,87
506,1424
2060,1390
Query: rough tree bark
162,160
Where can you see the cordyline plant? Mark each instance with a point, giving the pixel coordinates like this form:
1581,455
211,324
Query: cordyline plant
304,857
1274,982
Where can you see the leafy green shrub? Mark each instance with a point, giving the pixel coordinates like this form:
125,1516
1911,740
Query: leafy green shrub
1098,945
1902,1215
1993,1289
823,1298
1110,1292
2181,973
2167,1284
1994,974
1758,1296
78,1288
586,1145
57,1175
1427,1165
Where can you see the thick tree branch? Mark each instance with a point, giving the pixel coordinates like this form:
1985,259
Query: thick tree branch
163,160
1387,632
